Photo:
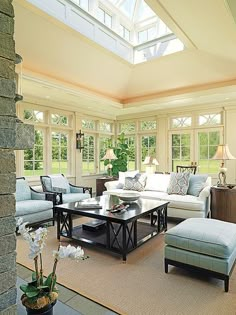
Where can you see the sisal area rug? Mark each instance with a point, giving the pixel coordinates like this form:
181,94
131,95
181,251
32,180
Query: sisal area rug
139,286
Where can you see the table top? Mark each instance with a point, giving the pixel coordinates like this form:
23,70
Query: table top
89,208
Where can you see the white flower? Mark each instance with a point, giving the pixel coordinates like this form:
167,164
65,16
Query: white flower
70,252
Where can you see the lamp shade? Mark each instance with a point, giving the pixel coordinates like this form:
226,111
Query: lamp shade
223,153
149,160
110,155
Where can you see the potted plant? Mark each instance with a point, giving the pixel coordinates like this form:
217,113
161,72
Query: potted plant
40,295
121,150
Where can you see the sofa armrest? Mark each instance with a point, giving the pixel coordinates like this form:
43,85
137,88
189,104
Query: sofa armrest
112,184
205,193
80,189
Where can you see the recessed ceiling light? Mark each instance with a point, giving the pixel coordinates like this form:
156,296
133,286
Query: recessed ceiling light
47,96
227,98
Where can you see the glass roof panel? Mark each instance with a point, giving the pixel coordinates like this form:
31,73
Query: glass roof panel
143,12
127,7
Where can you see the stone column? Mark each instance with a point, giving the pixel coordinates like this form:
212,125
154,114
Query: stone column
13,134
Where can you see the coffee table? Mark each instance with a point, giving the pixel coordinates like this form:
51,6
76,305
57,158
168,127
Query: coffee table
120,233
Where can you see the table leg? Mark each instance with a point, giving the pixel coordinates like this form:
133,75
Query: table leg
58,224
124,247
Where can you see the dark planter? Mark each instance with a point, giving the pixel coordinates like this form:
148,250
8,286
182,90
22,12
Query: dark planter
47,310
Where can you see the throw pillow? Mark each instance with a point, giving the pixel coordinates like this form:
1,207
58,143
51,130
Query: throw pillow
196,184
123,175
136,183
179,183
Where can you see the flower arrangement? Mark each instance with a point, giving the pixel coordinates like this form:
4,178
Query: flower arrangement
40,293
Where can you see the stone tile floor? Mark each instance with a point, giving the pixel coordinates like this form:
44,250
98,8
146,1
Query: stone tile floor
69,303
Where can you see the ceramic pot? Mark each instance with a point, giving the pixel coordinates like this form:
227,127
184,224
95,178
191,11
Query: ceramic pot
47,310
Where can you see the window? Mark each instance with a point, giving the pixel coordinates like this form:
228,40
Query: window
88,155
104,17
131,157
148,145
125,33
33,116
209,119
33,158
128,127
148,125
147,35
105,126
84,4
57,119
207,143
181,122
59,152
88,124
104,142
180,149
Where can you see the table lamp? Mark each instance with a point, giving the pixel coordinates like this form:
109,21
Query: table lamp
150,163
222,153
110,155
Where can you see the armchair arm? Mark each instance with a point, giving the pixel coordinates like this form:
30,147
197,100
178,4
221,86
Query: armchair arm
55,197
37,195
80,189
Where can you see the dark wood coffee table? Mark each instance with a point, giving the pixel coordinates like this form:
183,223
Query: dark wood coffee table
119,232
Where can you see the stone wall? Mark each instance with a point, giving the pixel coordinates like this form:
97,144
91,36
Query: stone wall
13,135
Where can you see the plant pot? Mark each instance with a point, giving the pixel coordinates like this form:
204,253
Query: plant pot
47,310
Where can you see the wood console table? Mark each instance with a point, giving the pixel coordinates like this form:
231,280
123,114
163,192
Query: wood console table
223,204
100,184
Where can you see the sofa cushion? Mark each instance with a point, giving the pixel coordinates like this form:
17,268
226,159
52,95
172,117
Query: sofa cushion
196,184
23,191
72,197
136,183
179,183
158,182
185,202
205,236
32,206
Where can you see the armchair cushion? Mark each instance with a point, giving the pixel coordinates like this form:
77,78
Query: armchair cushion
74,197
32,206
22,190
59,182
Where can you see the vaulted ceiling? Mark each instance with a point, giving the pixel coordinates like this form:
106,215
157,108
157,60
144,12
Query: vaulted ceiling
61,67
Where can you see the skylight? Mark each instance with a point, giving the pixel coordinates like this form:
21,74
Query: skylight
136,24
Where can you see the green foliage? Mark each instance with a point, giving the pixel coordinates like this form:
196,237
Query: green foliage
121,150
51,281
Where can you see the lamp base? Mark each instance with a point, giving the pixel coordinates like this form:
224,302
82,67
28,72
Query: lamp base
222,179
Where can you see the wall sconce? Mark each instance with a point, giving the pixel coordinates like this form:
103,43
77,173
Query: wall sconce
80,140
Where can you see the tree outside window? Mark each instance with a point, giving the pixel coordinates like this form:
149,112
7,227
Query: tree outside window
59,153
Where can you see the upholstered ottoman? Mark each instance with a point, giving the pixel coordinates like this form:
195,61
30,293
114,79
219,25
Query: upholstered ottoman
202,244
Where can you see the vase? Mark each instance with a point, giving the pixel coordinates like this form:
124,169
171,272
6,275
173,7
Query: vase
47,310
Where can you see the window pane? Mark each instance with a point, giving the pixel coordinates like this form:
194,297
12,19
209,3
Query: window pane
131,157
181,122
103,145
88,156
59,153
104,126
180,150
148,148
148,125
88,124
59,120
209,119
33,158
127,127
101,15
33,116
142,36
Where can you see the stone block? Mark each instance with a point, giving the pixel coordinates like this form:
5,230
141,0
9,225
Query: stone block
7,205
8,225
7,161
7,24
7,106
7,8
7,183
7,244
7,88
7,68
24,136
7,280
7,138
11,310
8,262
7,299
7,46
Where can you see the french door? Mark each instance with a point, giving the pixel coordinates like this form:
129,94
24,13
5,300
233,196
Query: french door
195,147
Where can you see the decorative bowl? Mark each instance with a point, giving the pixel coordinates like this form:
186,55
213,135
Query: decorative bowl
129,197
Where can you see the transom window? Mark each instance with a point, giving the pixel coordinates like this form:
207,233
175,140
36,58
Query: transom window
104,17
33,116
148,124
128,127
125,33
181,122
105,126
57,119
209,119
84,4
88,124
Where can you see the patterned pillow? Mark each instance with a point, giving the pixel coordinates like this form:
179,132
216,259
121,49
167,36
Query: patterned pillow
179,183
136,183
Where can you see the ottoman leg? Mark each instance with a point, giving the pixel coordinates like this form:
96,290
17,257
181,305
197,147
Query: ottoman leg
166,266
227,284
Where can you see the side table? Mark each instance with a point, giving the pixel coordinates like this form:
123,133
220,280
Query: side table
100,184
223,204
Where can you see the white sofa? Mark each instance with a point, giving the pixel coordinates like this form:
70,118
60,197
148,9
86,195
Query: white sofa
180,206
